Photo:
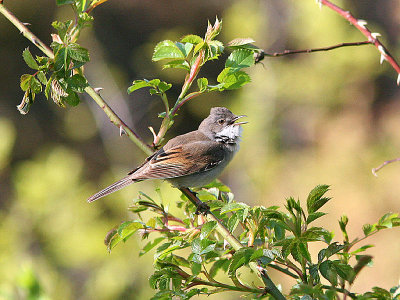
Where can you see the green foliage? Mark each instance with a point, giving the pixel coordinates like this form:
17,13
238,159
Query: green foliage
270,237
190,53
61,75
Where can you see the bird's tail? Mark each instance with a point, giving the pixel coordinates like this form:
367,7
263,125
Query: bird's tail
112,188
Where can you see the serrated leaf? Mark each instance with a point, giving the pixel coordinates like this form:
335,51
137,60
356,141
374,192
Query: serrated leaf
207,228
343,270
196,268
315,200
232,80
185,48
163,86
150,245
233,222
78,53
63,2
316,234
35,85
202,83
62,28
240,42
77,83
313,216
240,258
72,98
167,50
368,229
192,38
177,64
328,271
60,60
30,61
222,264
240,59
25,82
302,248
42,77
233,206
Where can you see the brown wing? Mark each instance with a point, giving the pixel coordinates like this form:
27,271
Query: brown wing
181,160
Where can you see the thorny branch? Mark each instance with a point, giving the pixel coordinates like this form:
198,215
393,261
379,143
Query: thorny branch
371,36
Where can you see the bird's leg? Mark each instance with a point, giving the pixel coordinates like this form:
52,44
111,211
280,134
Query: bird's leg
201,207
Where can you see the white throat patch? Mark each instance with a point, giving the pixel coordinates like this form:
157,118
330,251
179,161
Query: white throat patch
229,134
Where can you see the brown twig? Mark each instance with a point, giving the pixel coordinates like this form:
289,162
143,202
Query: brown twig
372,37
289,52
374,170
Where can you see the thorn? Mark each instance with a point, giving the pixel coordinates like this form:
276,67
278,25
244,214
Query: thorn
398,79
121,131
362,23
382,59
374,172
375,35
153,132
27,24
225,244
98,89
319,2
56,38
382,50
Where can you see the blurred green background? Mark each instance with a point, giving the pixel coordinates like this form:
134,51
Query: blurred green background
323,118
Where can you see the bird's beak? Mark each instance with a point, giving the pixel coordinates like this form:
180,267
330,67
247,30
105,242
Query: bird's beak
237,118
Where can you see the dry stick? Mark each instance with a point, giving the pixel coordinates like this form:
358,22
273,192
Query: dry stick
116,120
372,37
374,170
289,52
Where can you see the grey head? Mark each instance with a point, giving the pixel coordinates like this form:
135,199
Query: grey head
221,125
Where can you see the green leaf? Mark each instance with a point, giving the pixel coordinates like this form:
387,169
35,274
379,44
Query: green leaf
167,50
202,83
42,77
313,216
328,271
302,248
150,245
28,58
196,268
78,53
192,38
163,86
316,234
35,85
233,206
62,28
240,59
345,271
60,60
72,98
126,229
77,83
177,64
240,42
25,82
232,80
315,200
233,222
207,228
202,246
63,2
185,48
368,229
240,258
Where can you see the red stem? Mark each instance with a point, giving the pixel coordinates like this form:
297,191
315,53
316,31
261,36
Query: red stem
360,25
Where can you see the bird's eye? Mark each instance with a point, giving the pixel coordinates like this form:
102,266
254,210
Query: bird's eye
221,121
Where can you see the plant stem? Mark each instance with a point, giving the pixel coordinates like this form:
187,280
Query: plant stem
26,32
134,137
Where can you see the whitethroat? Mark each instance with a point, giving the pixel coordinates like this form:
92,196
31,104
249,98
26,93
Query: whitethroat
189,160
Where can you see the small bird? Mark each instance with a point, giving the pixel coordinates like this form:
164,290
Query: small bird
193,159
